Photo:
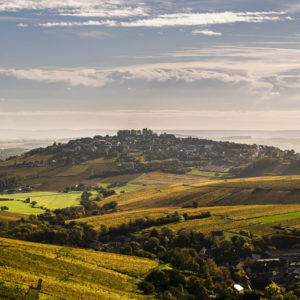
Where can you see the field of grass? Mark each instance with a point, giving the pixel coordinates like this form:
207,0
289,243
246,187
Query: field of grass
48,199
21,208
129,187
154,178
198,172
52,272
279,217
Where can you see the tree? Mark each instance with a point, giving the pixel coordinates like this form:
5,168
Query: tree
33,203
273,290
3,208
147,287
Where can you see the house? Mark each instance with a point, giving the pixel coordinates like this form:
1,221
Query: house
238,288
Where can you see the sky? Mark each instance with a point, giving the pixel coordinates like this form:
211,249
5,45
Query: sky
162,64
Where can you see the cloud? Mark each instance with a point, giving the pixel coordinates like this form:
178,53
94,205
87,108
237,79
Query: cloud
22,25
181,19
185,72
96,34
197,19
206,32
79,8
260,71
108,23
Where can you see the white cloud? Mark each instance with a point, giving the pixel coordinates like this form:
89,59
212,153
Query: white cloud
206,32
186,72
22,25
259,71
96,34
80,8
181,19
197,19
108,23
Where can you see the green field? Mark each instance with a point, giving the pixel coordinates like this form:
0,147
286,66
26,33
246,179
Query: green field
197,172
47,200
129,187
53,272
21,208
280,217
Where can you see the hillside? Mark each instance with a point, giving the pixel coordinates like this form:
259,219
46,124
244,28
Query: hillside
257,219
129,154
248,191
37,271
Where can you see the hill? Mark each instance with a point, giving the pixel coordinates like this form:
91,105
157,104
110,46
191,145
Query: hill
37,271
129,154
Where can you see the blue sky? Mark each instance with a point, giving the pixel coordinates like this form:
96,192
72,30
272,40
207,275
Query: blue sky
206,64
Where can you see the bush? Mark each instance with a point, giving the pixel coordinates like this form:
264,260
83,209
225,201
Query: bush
147,287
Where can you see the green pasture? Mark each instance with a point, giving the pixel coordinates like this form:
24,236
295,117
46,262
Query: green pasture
21,207
279,218
197,172
47,200
129,187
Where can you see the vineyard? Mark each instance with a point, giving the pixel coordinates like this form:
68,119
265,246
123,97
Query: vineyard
250,191
65,273
232,218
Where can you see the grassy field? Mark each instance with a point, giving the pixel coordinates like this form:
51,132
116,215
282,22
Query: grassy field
46,200
279,217
154,178
198,172
21,208
52,272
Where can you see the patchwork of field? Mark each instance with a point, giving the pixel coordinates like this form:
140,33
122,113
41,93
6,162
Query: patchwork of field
37,271
229,218
250,191
47,200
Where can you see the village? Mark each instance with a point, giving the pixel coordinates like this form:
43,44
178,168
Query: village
130,148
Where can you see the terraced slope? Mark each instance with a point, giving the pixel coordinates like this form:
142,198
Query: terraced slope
37,271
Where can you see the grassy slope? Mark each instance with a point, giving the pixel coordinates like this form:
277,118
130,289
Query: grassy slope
68,273
232,218
260,190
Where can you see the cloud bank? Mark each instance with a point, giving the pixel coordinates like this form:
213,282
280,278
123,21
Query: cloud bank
181,19
79,8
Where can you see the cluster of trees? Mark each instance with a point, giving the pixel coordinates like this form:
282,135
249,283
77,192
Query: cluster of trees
9,182
189,277
39,230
